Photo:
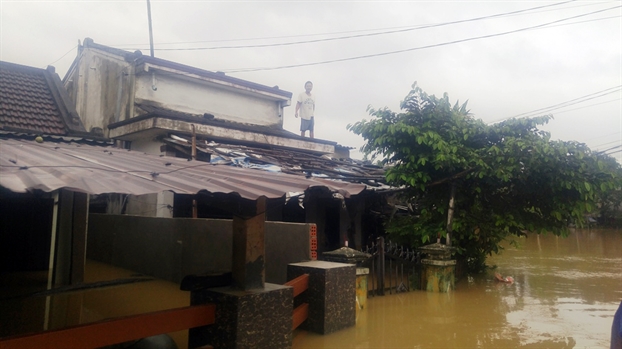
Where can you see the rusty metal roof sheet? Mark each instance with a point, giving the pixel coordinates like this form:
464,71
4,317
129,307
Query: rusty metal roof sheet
290,161
26,166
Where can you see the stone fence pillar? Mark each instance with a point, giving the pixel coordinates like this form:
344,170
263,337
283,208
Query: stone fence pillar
437,269
331,294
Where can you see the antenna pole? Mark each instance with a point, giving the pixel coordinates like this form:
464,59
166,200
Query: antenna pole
150,28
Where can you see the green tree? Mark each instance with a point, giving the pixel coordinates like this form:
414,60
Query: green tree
510,178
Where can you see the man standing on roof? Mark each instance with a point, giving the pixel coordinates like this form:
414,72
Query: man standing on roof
306,106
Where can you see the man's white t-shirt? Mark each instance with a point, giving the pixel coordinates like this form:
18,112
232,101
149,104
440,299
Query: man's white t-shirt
307,106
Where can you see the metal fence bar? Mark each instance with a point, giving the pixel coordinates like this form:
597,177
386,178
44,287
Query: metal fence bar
381,269
398,279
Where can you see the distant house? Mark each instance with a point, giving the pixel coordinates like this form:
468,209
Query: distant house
140,100
157,106
50,167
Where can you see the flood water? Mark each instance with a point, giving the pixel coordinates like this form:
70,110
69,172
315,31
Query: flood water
565,295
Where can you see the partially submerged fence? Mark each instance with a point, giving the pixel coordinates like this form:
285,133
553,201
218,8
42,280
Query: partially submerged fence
130,328
393,268
301,311
118,330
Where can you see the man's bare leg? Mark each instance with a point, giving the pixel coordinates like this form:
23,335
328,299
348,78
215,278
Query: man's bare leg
302,133
311,134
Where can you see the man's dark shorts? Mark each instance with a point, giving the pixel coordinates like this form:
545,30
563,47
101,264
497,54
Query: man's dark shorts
307,125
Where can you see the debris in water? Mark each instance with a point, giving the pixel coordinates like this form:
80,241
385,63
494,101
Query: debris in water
507,279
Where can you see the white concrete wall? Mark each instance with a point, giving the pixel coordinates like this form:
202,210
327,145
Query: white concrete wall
147,145
198,98
96,81
151,205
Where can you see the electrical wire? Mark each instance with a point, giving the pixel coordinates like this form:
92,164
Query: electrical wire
361,35
612,148
131,46
607,144
564,104
588,106
581,99
63,56
607,135
539,26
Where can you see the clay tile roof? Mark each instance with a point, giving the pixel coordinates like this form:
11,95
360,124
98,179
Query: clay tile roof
32,100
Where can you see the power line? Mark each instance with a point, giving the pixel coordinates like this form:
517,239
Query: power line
612,148
587,106
240,70
574,101
362,35
607,144
565,104
63,56
131,46
587,20
607,135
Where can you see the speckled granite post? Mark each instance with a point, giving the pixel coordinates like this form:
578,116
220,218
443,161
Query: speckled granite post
260,318
331,294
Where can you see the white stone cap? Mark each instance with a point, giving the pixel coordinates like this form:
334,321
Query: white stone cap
362,271
439,263
322,264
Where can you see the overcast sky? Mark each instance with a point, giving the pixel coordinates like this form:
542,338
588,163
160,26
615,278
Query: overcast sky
573,53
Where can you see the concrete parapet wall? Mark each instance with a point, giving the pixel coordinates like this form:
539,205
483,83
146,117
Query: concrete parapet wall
171,248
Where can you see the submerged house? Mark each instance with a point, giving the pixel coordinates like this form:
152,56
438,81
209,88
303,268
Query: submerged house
51,168
44,229
139,99
159,107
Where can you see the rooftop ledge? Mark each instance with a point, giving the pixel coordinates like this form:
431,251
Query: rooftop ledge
150,127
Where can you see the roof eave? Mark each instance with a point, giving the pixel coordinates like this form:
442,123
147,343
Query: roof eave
134,130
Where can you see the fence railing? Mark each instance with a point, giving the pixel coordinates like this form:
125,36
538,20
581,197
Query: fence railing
393,268
118,330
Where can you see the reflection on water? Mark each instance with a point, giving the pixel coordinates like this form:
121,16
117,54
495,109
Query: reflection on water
565,295
25,314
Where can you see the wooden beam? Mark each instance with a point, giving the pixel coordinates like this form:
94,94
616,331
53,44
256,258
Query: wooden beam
248,257
301,313
119,330
300,284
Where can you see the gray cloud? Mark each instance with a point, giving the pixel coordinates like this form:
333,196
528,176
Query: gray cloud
501,76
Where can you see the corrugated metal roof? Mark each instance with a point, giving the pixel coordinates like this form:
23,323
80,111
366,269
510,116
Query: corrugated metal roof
290,161
26,165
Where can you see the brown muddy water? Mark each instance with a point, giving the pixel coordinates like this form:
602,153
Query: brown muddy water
565,295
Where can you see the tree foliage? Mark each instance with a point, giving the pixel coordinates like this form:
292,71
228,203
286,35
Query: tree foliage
511,178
